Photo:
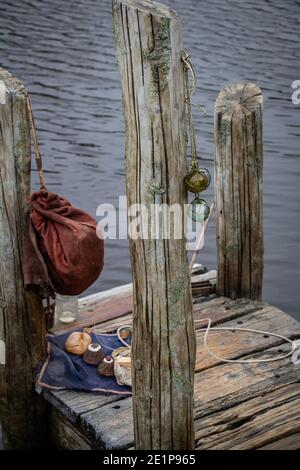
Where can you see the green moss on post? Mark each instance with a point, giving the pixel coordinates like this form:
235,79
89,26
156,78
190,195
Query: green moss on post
159,56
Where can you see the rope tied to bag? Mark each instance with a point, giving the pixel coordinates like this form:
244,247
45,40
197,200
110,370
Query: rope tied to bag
38,156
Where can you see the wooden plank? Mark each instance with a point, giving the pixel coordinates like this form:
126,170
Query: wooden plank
209,276
110,427
286,443
203,289
72,403
109,294
64,436
230,384
204,284
291,442
252,424
234,344
219,309
112,325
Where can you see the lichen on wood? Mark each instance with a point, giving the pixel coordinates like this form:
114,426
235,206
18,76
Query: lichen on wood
159,56
181,382
23,137
156,188
178,286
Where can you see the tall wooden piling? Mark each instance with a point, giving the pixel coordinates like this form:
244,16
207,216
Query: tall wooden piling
21,318
149,49
238,186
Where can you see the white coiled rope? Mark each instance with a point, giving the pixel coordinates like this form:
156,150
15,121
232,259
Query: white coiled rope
249,330
231,328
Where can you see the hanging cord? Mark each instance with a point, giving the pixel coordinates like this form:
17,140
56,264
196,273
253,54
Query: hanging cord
38,157
49,309
190,89
249,330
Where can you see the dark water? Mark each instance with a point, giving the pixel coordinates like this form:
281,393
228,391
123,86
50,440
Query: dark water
64,54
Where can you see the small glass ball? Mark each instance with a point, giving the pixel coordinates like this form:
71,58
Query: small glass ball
197,180
199,210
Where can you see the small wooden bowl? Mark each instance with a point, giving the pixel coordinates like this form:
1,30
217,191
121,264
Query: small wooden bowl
106,367
93,355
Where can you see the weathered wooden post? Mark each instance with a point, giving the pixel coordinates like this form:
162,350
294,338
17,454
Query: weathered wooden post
238,186
149,49
21,318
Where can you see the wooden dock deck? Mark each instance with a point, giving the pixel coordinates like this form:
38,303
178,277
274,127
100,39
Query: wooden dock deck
237,406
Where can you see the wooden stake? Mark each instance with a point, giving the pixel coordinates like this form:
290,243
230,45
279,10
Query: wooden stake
149,48
238,183
21,316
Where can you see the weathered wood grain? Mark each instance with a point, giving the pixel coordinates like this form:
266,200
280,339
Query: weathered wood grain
110,427
225,394
250,425
246,389
238,186
65,436
72,404
210,276
149,48
233,344
291,442
230,384
218,309
21,314
221,309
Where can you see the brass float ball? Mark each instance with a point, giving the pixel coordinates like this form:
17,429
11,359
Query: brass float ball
197,180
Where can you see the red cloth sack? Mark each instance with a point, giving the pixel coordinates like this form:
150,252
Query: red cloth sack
62,251
62,248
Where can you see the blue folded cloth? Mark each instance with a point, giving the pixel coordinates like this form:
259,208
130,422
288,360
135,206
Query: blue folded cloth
63,370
